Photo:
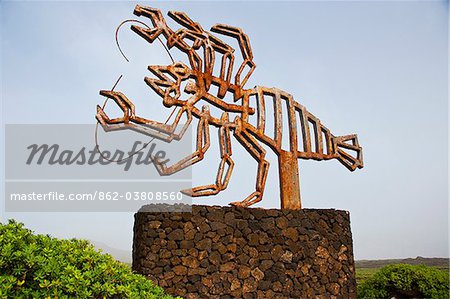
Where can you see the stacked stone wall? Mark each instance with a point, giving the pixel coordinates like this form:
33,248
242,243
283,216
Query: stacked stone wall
229,252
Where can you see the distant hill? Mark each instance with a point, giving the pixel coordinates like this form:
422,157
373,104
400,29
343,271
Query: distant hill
123,256
442,263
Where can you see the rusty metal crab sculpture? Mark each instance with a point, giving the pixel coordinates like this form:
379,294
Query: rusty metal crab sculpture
308,137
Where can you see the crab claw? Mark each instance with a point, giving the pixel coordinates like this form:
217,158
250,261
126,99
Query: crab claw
155,15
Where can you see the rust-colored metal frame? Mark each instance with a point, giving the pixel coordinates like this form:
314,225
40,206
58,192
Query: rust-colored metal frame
308,137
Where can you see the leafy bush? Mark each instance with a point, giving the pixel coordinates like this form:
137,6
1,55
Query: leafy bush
406,281
39,266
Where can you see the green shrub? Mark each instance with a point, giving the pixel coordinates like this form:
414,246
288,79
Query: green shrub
406,281
39,266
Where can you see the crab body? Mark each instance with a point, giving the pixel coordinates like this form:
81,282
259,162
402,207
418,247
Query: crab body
307,137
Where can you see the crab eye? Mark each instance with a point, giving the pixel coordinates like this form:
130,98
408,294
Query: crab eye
180,69
191,87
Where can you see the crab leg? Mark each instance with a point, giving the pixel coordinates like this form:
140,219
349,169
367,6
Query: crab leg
258,153
203,143
225,167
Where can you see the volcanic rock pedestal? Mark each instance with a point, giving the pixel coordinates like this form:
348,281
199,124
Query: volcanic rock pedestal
229,252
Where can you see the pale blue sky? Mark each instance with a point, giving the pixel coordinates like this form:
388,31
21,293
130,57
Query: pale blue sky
378,69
